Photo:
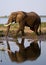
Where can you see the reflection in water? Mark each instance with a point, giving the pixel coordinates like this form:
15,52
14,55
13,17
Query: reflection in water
31,52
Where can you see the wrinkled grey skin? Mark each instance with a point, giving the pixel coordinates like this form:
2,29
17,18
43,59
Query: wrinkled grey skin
30,19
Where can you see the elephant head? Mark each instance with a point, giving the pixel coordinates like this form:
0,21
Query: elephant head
15,17
11,19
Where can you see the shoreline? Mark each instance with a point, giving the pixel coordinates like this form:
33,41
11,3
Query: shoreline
14,28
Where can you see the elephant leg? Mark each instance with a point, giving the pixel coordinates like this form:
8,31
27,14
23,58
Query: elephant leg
22,32
38,32
21,28
7,30
36,29
18,31
32,28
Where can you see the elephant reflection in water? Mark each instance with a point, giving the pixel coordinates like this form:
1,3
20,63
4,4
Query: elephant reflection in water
31,52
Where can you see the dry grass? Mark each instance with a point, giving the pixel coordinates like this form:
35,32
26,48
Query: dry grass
14,28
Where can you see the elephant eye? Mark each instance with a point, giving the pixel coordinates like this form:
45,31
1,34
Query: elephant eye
14,20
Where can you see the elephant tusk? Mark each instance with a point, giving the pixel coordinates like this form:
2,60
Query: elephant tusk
7,24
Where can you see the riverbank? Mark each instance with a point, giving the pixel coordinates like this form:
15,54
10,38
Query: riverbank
14,28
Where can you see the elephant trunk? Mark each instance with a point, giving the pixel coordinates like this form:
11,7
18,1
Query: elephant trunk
8,30
8,27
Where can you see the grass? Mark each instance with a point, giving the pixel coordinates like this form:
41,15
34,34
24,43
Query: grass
15,26
43,24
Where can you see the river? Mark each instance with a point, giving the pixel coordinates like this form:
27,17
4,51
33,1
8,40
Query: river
4,20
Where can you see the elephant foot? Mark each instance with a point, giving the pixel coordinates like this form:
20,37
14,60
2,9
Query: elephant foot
23,34
38,34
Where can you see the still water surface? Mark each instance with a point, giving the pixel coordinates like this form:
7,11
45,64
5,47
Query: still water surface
22,51
4,20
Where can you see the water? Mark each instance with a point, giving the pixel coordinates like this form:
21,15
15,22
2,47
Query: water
23,51
43,19
4,20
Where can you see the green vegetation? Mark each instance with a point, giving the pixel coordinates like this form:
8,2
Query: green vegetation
15,26
43,24
3,16
1,25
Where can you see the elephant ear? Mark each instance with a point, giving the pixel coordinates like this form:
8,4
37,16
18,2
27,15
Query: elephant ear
20,17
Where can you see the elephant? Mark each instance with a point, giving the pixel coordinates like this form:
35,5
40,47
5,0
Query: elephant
31,52
29,19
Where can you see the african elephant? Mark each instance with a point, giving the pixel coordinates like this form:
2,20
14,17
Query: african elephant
30,19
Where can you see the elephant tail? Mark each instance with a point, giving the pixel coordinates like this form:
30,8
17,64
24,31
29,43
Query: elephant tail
40,28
